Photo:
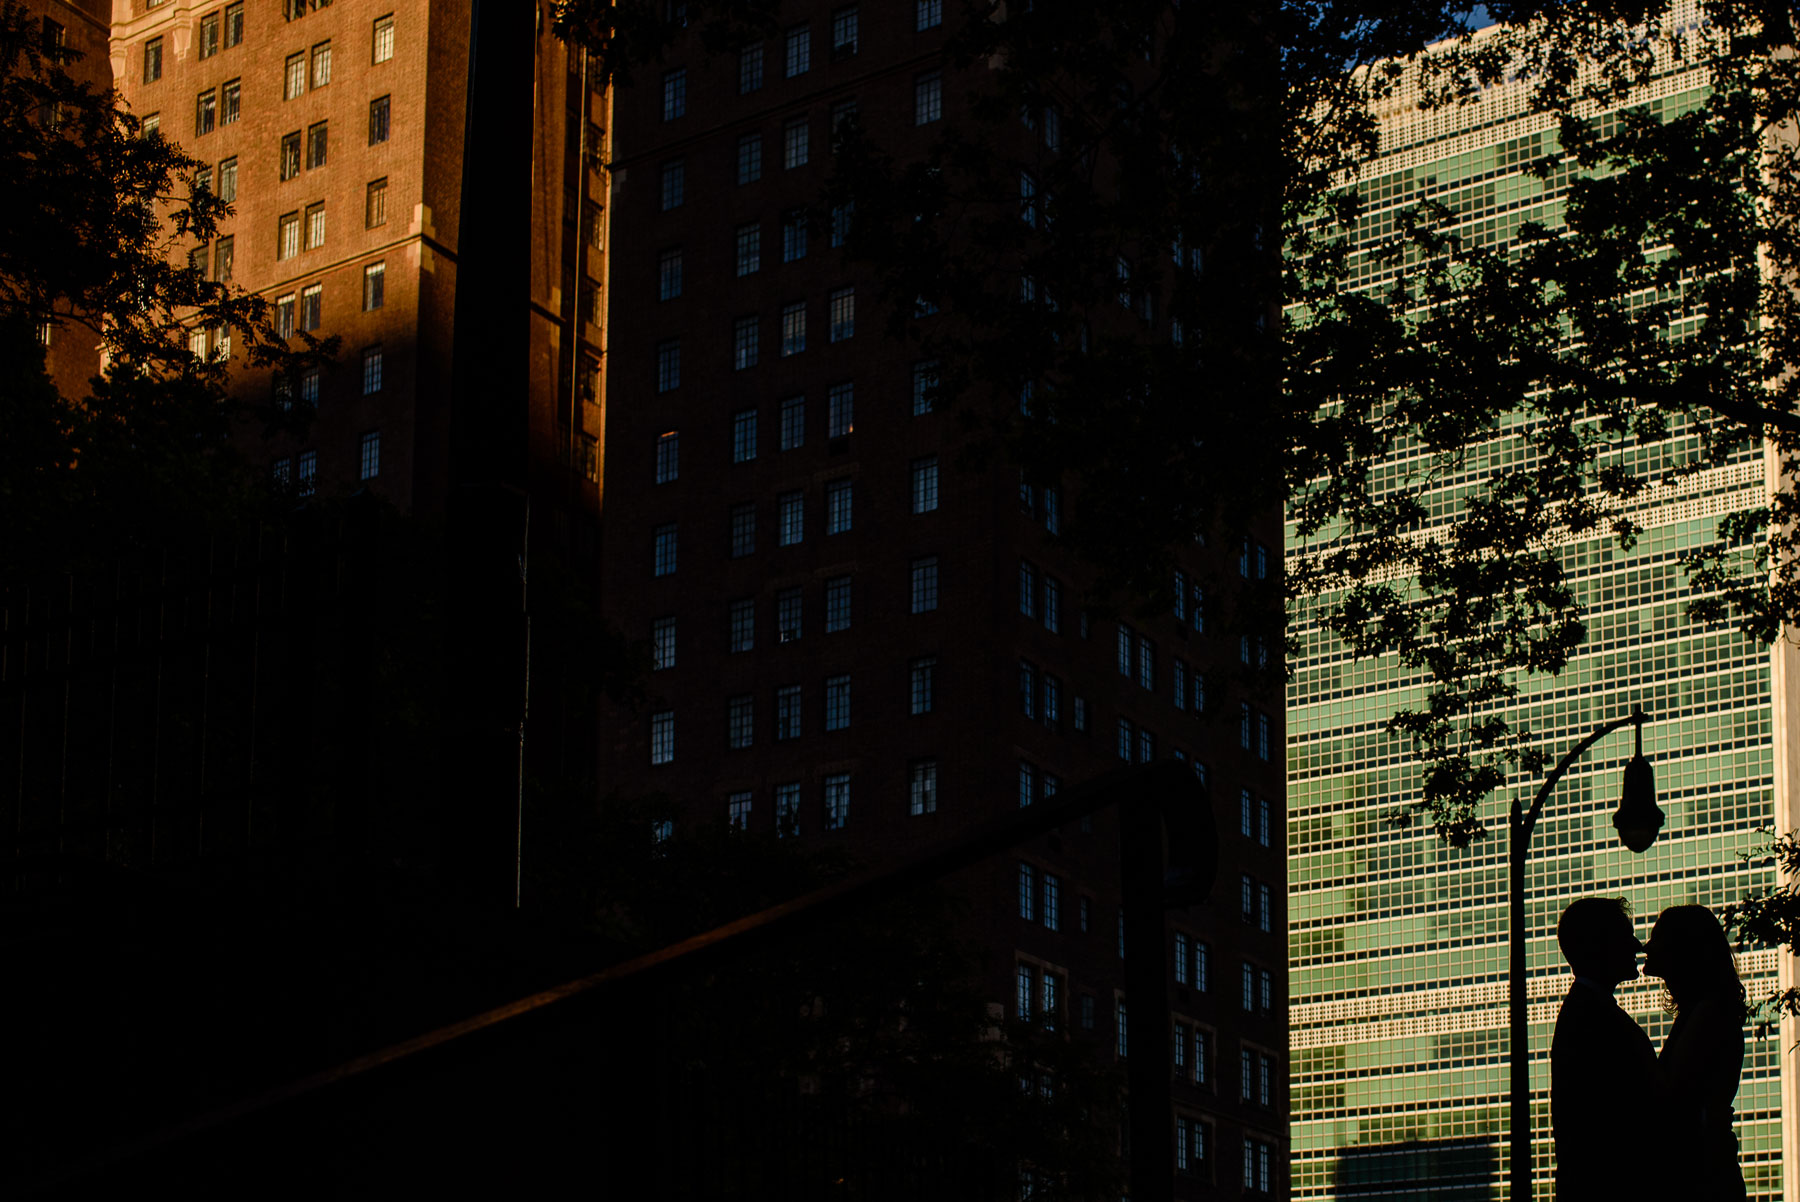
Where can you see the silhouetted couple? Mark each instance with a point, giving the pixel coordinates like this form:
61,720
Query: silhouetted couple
1631,1124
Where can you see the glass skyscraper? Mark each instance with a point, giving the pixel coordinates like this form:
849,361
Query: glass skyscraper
1398,943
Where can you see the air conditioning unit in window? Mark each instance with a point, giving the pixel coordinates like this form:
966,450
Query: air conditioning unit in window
788,636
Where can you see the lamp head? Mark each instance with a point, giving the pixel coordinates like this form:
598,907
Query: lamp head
1638,820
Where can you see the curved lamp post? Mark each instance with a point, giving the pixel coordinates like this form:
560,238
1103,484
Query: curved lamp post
1637,820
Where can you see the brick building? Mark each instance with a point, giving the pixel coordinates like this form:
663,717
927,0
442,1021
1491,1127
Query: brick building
857,643
337,132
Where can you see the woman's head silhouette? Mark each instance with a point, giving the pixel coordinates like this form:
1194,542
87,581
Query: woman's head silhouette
1689,950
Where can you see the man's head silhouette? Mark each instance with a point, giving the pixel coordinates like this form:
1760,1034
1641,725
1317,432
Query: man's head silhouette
1597,940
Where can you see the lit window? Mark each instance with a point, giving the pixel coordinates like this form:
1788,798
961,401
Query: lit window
843,314
668,456
371,370
925,484
668,274
837,702
787,810
839,496
924,584
743,530
793,423
662,737
837,604
378,120
794,144
840,410
923,795
749,249
740,722
750,68
837,801
668,365
742,620
749,159
374,285
662,644
793,328
928,98
663,538
798,59
674,184
791,509
384,38
674,95
744,351
369,460
921,672
787,712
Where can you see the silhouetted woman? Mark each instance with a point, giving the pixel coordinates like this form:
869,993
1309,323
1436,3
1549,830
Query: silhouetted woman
1704,1052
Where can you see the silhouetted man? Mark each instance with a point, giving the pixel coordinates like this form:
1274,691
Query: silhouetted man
1603,1077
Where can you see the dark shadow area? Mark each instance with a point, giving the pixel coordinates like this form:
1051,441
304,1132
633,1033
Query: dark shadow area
1421,1170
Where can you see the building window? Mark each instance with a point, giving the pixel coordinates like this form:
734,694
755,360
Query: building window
1127,739
740,722
840,410
787,810
315,226
749,159
743,436
1266,990
668,274
787,712
1249,982
662,737
794,144
1119,1023
374,285
1146,664
1123,646
840,223
1262,736
668,456
312,299
1027,783
284,308
743,343
793,328
662,644
793,235
663,561
384,38
1028,577
924,387
788,610
750,68
290,155
839,496
925,484
1052,908
306,472
793,423
1052,605
223,253
674,184
837,702
668,365
743,530
742,623
737,811
370,458
1263,816
321,64
153,60
1181,958
923,792
674,96
227,188
922,671
378,120
1248,904
928,98
231,94
929,14
798,58
791,509
294,77
837,801
1244,724
837,604
843,32
924,584
375,204
1027,892
1052,707
843,314
749,249
316,143
1080,714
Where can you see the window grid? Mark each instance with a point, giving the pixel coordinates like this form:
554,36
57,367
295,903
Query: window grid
793,423
787,712
840,410
837,702
839,495
921,672
924,584
741,618
925,484
378,120
740,722
837,800
662,737
837,604
743,436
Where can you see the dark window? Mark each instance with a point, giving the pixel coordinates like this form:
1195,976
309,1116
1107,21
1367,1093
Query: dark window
316,144
153,60
378,120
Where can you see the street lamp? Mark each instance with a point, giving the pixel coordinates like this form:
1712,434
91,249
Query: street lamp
1637,820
